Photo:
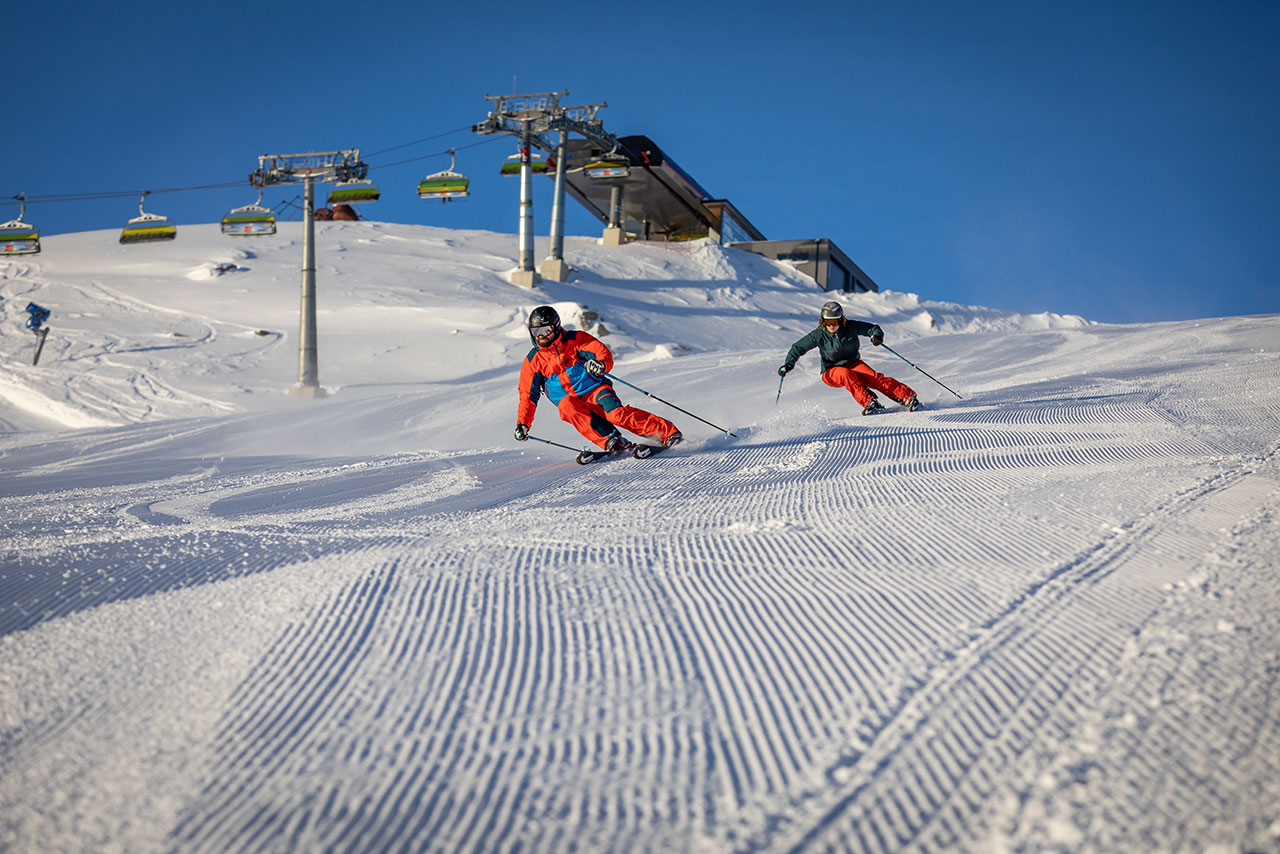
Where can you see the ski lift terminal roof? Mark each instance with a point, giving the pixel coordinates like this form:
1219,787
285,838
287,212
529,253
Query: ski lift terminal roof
659,199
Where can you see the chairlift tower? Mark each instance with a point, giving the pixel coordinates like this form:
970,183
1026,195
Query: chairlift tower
523,116
327,167
582,120
529,117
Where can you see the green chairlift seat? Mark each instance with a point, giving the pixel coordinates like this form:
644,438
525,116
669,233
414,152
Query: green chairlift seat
445,185
353,193
250,220
607,167
18,237
512,165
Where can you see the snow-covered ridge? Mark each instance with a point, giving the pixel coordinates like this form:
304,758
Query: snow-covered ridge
205,323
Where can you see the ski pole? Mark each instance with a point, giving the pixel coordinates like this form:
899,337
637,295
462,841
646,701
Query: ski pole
669,403
557,444
779,397
921,370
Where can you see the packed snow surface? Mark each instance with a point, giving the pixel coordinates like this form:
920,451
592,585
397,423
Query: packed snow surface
1039,616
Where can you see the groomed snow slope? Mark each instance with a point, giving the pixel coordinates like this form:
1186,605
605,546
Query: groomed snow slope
1039,618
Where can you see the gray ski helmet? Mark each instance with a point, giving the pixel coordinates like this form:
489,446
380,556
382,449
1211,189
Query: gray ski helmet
831,311
543,316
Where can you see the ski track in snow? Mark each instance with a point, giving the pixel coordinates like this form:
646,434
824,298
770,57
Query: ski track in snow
848,677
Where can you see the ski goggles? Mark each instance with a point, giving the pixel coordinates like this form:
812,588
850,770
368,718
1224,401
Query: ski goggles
539,331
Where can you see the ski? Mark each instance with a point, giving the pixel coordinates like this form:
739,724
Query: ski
638,451
588,456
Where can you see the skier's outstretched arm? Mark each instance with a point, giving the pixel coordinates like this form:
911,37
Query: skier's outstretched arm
798,349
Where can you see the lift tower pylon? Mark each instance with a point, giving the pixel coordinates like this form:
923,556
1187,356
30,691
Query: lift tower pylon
529,117
327,167
523,116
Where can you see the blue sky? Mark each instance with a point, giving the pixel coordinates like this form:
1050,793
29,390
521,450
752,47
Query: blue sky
1113,160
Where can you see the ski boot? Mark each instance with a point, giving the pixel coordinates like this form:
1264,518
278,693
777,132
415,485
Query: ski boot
618,445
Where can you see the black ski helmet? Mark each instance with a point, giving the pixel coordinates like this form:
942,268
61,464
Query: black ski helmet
543,316
831,311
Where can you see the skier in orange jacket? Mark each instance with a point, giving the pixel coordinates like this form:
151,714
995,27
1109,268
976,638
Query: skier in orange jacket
570,368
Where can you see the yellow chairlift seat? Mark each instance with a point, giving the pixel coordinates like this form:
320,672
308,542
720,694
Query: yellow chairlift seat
18,237
147,228
608,166
250,220
445,185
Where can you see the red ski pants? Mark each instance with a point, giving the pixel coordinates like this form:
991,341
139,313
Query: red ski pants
595,416
860,376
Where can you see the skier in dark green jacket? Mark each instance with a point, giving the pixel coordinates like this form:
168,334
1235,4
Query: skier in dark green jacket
837,341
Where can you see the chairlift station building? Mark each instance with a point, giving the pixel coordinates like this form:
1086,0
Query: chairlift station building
661,201
634,188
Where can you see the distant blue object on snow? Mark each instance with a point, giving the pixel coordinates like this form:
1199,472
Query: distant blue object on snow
38,316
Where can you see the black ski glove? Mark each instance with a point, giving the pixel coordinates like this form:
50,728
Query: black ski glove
522,433
784,370
877,338
595,367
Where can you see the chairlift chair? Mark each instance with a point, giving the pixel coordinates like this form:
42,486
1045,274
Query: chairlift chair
353,193
250,220
512,165
445,185
147,228
611,165
18,237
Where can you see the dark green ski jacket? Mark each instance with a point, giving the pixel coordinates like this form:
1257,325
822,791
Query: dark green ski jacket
837,348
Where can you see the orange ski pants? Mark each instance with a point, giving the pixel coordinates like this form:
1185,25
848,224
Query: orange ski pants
860,376
595,415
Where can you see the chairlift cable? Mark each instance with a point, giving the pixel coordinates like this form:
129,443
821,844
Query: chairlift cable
437,154
124,194
418,141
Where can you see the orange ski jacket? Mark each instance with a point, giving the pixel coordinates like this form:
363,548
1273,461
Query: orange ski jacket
559,369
